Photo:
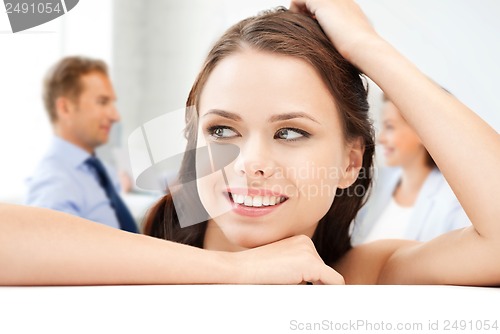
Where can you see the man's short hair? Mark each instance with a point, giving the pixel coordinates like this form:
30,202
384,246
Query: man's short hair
63,79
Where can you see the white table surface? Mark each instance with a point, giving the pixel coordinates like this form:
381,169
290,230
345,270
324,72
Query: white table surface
238,309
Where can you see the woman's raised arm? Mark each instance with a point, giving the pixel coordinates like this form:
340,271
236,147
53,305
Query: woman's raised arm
466,149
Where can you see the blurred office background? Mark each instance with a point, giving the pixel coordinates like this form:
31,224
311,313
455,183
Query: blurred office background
155,49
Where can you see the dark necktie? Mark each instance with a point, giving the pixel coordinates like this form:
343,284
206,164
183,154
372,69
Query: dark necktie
125,219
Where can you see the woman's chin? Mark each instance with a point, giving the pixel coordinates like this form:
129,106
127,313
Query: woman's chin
246,242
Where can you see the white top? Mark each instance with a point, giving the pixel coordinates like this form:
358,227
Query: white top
392,223
436,210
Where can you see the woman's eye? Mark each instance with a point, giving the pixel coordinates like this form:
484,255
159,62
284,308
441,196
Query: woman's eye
221,132
291,134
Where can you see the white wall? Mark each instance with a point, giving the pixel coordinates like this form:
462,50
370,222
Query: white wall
455,42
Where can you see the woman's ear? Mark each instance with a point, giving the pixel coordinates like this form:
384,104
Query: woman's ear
354,161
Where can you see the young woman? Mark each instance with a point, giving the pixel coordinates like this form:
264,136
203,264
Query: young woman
275,87
290,99
410,199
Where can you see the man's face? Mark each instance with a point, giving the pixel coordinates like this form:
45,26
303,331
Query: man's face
92,114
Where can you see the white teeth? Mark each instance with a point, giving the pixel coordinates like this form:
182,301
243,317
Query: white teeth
248,201
257,201
239,199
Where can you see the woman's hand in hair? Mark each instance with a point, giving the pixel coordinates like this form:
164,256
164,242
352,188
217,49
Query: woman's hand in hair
289,261
343,21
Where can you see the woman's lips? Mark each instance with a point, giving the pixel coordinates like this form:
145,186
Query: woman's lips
261,203
257,201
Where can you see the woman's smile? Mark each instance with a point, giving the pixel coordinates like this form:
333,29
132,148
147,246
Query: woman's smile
254,202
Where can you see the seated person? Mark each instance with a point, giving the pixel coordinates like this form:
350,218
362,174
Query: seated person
80,101
411,199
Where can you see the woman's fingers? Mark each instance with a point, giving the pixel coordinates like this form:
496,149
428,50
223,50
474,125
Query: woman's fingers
289,261
299,6
342,20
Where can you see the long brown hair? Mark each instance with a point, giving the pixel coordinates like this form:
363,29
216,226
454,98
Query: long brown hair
295,35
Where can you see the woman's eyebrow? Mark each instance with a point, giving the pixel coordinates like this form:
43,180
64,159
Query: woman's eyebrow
291,115
223,113
272,119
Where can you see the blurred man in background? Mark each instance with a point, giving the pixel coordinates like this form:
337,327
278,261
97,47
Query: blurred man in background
80,102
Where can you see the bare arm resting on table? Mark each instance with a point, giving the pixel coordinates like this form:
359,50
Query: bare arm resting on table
465,148
45,247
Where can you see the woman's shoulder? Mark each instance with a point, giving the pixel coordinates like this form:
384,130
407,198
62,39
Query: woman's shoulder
363,264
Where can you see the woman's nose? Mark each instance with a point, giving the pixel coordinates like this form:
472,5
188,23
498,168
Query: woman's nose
255,161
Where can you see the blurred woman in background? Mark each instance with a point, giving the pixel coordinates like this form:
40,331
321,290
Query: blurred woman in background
411,199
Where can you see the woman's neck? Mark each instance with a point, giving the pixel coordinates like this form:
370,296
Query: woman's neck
412,180
216,240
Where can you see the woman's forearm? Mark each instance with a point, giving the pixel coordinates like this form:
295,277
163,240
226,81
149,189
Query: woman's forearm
45,247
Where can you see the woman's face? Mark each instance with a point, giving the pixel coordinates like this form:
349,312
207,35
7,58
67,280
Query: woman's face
402,146
293,155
